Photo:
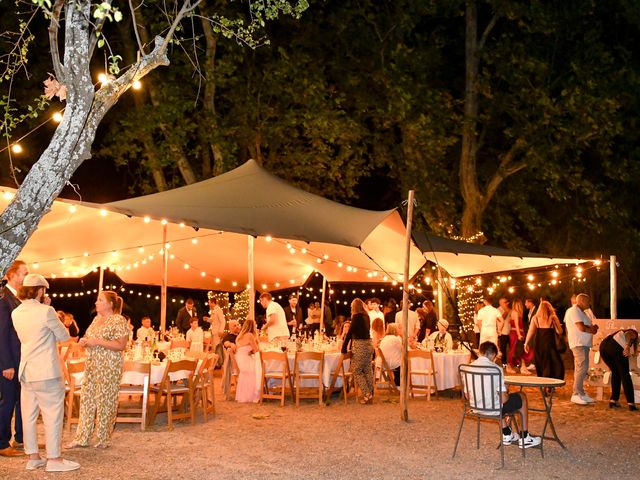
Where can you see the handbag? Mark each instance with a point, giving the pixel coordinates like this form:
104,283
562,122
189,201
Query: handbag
561,343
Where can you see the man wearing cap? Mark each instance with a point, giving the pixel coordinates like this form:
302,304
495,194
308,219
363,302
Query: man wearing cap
442,340
39,330
9,362
293,313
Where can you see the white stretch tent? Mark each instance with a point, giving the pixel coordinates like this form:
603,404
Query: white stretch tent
462,259
207,223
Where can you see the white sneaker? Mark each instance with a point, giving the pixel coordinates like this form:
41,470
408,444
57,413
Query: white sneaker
35,464
587,398
577,399
513,437
63,466
529,441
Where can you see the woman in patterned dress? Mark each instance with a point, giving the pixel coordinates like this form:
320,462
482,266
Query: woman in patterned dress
359,340
104,341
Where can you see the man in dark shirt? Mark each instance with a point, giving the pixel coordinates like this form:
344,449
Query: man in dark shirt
293,313
183,320
229,340
428,320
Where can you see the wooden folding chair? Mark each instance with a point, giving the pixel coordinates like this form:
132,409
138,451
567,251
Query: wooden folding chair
204,387
75,370
428,373
283,375
346,377
180,384
481,399
383,376
128,413
229,374
304,376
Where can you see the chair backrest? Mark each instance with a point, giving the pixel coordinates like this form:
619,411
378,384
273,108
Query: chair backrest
277,357
426,354
384,366
309,356
481,387
75,366
186,364
138,367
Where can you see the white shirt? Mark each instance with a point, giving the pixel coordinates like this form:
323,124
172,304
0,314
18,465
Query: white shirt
39,330
196,337
486,385
279,328
577,338
391,347
216,317
144,333
489,316
373,314
506,325
413,321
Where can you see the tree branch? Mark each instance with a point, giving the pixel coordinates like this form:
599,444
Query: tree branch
54,27
135,27
98,29
487,31
505,169
186,8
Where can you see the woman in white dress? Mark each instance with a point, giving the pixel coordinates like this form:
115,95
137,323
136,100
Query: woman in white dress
248,388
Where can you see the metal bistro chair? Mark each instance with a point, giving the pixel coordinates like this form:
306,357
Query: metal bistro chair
481,400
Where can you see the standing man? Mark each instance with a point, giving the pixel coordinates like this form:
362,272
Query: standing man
580,332
293,313
39,330
413,321
217,320
183,320
9,363
276,320
503,339
489,321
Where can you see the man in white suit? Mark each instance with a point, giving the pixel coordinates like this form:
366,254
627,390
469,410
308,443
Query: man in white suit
39,330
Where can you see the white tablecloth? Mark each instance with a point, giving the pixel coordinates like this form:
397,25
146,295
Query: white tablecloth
309,366
137,378
446,365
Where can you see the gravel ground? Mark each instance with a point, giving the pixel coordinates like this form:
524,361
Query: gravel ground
359,442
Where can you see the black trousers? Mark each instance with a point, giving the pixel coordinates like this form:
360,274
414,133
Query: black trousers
611,353
503,344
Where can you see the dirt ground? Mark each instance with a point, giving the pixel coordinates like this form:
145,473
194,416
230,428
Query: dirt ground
359,442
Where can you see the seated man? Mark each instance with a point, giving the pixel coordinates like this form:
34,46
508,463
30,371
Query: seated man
145,333
511,402
229,340
441,340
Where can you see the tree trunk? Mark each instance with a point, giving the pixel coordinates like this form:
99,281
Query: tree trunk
149,145
471,194
214,150
72,140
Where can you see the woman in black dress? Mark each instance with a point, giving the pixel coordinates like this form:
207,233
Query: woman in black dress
545,325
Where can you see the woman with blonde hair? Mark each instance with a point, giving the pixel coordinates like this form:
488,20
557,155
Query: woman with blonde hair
516,335
359,340
248,388
104,342
545,325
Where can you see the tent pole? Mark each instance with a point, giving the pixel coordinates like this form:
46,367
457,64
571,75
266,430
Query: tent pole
101,279
440,288
613,285
404,370
163,284
252,289
324,289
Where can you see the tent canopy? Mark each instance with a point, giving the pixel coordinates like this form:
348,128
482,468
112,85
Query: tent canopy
207,226
462,259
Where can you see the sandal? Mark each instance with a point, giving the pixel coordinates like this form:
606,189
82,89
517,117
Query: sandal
366,399
74,444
